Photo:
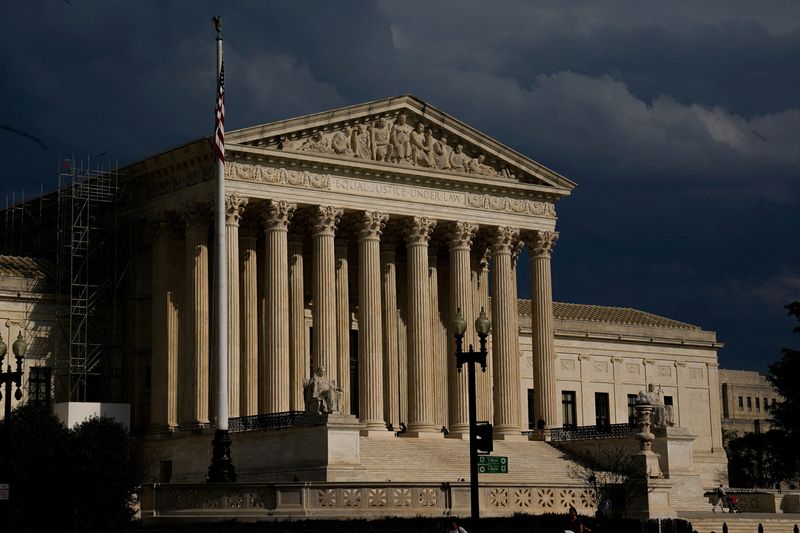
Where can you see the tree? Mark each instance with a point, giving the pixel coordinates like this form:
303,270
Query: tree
786,413
66,480
612,474
757,459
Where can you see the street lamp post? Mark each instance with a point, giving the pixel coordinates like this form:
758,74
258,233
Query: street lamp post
470,357
9,377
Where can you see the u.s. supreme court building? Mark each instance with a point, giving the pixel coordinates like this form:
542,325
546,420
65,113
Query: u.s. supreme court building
354,235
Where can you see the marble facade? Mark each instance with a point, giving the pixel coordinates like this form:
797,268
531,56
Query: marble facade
353,238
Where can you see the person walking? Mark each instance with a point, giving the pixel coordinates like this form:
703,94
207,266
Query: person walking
720,491
455,528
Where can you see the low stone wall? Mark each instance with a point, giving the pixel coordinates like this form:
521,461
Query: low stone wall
262,501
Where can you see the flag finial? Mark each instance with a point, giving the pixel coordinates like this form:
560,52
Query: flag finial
218,26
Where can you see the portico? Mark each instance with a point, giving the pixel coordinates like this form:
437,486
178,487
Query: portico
354,255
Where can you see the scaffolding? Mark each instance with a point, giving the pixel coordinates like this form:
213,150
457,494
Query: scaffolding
87,271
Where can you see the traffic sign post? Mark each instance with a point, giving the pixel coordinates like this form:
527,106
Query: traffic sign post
492,464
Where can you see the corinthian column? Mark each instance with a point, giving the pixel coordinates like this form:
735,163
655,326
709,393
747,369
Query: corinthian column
420,353
391,380
505,341
343,322
370,334
297,327
164,316
438,343
461,236
480,297
249,324
545,399
197,352
324,266
276,347
234,207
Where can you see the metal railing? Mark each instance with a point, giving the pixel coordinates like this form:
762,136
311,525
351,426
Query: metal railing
608,431
259,422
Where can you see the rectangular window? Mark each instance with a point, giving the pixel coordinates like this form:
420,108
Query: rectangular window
758,404
741,403
39,385
766,405
750,404
668,400
568,408
632,409
601,409
531,421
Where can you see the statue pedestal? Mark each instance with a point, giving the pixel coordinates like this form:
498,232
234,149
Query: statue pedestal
654,501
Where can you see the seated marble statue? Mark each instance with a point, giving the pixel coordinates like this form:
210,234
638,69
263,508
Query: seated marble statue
321,395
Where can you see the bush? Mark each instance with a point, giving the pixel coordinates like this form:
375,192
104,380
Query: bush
66,480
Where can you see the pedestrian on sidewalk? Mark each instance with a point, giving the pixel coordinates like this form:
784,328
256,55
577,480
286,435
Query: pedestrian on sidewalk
721,497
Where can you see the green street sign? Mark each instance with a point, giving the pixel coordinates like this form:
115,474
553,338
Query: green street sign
492,464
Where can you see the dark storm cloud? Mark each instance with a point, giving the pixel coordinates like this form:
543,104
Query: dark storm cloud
678,120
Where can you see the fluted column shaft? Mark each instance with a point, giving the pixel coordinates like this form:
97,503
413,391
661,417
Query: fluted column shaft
197,368
164,333
420,360
297,328
370,331
391,385
546,400
234,207
480,298
504,334
460,297
276,347
248,399
324,267
438,345
343,323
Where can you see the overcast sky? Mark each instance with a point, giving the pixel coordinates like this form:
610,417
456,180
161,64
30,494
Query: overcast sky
679,121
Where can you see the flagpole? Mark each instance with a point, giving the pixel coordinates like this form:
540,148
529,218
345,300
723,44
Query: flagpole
221,469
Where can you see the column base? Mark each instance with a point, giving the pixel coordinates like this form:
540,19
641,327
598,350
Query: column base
459,436
510,436
377,433
422,434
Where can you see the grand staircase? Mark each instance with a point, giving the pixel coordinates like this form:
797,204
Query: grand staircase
742,523
447,460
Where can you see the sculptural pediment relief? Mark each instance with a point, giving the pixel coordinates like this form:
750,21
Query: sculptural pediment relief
404,132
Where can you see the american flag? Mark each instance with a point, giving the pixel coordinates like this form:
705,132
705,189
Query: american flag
219,122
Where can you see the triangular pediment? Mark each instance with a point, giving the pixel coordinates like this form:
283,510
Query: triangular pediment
404,132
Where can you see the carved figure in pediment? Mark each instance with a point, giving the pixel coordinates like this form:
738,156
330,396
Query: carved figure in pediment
476,166
359,142
401,144
315,143
458,159
441,153
340,143
421,146
380,137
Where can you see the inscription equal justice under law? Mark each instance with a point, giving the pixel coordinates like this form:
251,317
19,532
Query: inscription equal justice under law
399,191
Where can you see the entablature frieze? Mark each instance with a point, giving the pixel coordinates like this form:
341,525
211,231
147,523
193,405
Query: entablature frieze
401,197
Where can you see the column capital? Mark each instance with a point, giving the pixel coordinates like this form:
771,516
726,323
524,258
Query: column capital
541,243
371,225
325,219
278,214
680,364
461,234
504,239
234,207
617,360
419,229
